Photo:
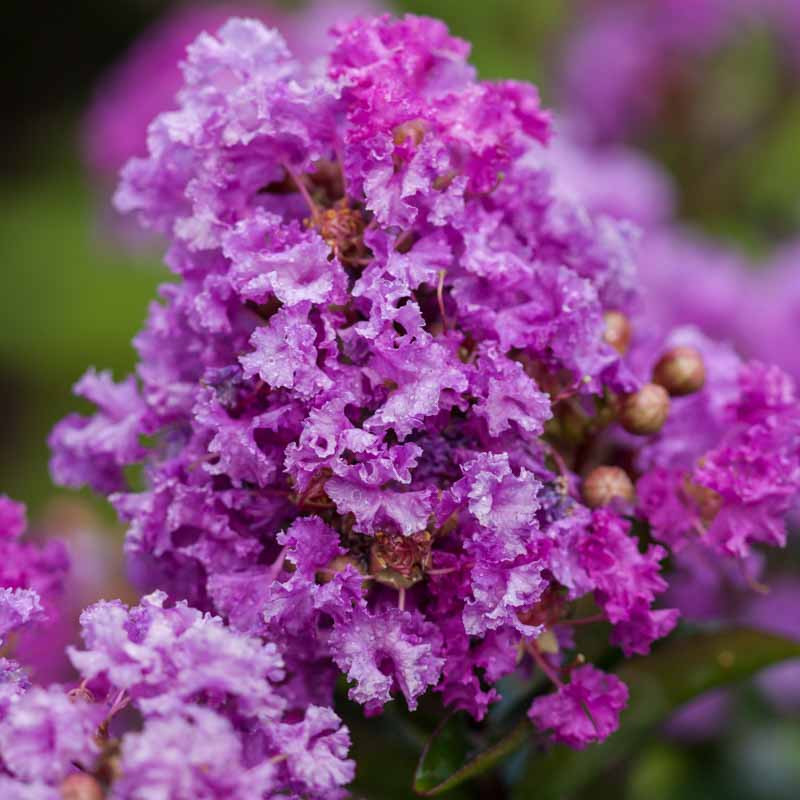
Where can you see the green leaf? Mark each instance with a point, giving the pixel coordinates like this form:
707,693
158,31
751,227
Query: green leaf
451,756
659,683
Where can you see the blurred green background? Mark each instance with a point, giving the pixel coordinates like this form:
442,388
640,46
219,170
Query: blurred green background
74,296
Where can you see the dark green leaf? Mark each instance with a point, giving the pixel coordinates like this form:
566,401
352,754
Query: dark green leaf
450,757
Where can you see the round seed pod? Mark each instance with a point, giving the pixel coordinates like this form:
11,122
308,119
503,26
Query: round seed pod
617,331
607,483
644,412
680,371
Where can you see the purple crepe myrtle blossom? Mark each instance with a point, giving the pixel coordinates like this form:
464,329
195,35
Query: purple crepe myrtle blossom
45,733
42,732
584,710
193,753
216,716
178,661
372,397
740,489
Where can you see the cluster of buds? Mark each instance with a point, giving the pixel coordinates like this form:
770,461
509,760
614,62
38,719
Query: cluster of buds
680,371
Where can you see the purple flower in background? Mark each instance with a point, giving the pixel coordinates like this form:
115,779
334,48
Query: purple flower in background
658,47
692,280
32,578
25,565
611,180
215,715
689,279
773,313
45,734
776,611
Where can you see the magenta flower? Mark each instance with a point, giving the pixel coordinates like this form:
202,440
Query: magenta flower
583,711
366,414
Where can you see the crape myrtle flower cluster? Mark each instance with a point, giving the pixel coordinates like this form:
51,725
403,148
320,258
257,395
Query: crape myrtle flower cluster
217,717
401,415
659,48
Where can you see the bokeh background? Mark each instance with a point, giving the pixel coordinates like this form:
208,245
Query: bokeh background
76,288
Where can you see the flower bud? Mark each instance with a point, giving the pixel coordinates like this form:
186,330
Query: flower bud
606,483
617,332
644,412
400,561
680,371
81,786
